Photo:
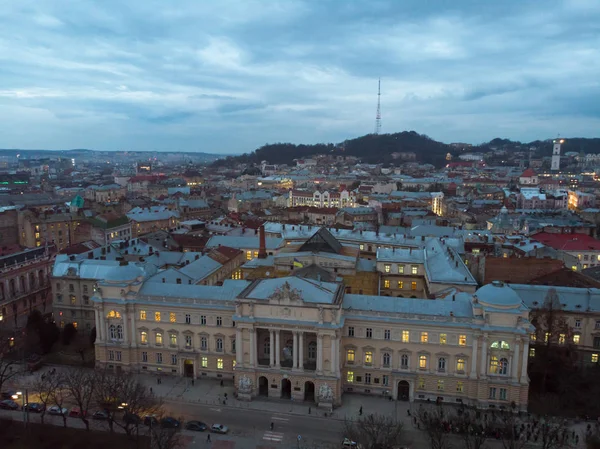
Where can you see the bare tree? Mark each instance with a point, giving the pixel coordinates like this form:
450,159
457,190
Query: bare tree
9,366
164,438
432,422
554,433
60,395
472,429
81,385
107,392
508,428
136,400
374,431
44,385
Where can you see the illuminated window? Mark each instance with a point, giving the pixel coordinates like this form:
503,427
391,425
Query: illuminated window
362,247
400,284
158,339
350,356
405,336
350,376
142,315
237,275
576,339
533,337
561,339
424,337
219,363
111,314
386,283
414,269
400,269
443,339
423,362
574,267
75,324
144,337
173,339
248,255
172,317
413,285
156,316
546,337
255,254
594,358
531,352
421,383
368,358
387,267
460,387
440,385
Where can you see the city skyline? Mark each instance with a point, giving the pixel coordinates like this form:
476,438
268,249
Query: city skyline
232,77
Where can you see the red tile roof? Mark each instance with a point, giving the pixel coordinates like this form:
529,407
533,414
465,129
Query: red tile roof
528,173
568,242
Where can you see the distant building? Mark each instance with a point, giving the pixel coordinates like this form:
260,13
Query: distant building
321,199
529,178
555,165
110,227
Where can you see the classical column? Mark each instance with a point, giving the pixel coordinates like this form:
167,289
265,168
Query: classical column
515,363
239,347
252,348
483,369
98,324
319,353
301,350
474,359
271,349
125,331
133,340
333,355
525,361
277,349
295,351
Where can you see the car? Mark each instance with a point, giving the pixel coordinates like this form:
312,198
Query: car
348,443
56,410
100,414
9,395
34,407
169,422
9,404
131,418
196,426
77,413
150,420
219,428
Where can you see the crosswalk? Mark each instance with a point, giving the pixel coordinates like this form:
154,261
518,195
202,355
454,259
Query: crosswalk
273,436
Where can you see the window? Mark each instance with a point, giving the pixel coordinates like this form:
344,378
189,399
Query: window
576,338
533,337
404,361
219,363
400,269
368,378
594,358
442,364
158,338
500,345
72,299
405,336
561,339
219,321
172,317
597,324
188,341
386,380
503,394
386,359
368,358
414,269
421,383
386,283
203,320
460,365
443,339
460,386
361,247
111,355
462,340
248,255
312,350
159,357
173,339
492,392
142,315
387,334
203,343
219,345
578,323
144,337
400,285
157,316
351,331
422,362
173,359
531,352
233,345
413,285
440,385
204,362
350,356
369,332
388,267
350,376
424,337
86,300
144,357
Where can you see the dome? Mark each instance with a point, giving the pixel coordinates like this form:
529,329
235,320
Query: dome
498,294
504,210
123,273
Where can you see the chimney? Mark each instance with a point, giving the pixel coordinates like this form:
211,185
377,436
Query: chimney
262,250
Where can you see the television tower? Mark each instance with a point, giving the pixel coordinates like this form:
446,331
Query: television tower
378,115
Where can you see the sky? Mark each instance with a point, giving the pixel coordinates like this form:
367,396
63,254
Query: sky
228,76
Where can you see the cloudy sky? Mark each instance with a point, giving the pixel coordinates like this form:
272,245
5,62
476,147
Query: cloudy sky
227,76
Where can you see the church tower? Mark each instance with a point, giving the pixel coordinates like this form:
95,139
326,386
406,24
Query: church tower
555,166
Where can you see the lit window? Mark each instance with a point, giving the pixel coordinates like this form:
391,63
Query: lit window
386,283
414,269
112,314
219,363
594,358
144,337
533,337
204,362
400,269
362,247
368,358
546,337
440,385
561,339
173,339
443,339
462,340
421,383
248,255
400,284
424,337
413,285
574,267
172,317
422,361
531,352
156,316
350,376
350,356
158,338
576,339
73,299
460,365
460,386
387,267
142,315
405,336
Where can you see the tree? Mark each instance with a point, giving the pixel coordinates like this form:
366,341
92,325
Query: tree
554,433
433,423
472,429
80,384
59,395
69,333
374,431
508,428
45,385
165,438
49,334
9,365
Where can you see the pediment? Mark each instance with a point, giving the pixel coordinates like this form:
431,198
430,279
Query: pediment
285,294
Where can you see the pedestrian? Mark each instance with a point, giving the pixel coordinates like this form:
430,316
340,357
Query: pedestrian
272,425
151,390
157,380
208,438
309,410
360,411
408,412
192,382
221,383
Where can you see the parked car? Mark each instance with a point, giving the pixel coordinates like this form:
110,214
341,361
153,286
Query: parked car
348,443
131,418
169,423
34,407
77,413
197,426
56,410
9,404
100,414
219,428
150,420
9,395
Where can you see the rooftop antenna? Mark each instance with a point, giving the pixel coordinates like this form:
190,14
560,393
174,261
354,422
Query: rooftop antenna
378,115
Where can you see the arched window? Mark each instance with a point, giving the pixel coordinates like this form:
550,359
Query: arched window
158,338
500,345
442,364
493,365
267,348
503,366
460,365
350,355
144,337
404,361
112,330
113,314
119,332
219,345
312,350
386,359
